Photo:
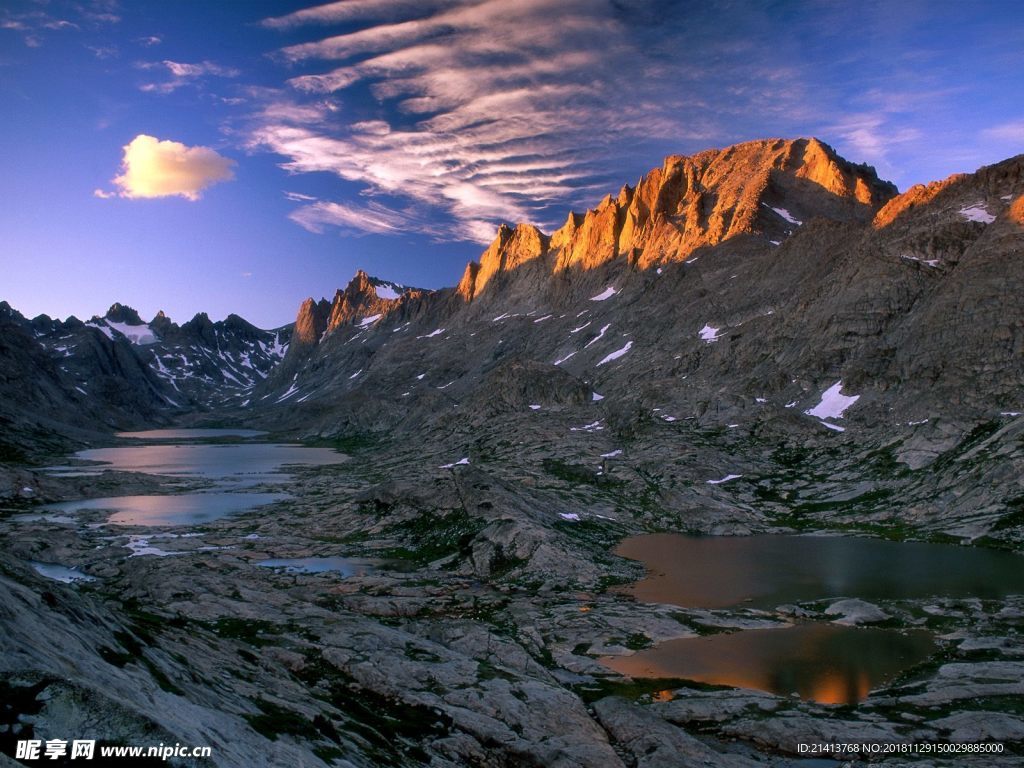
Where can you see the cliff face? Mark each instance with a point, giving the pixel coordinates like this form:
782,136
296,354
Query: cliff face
511,249
762,188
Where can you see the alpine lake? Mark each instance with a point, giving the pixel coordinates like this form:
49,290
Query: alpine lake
837,661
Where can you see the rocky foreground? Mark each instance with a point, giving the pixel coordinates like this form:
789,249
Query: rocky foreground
852,357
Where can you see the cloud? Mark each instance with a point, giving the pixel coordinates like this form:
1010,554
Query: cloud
489,110
355,10
39,18
149,41
182,74
154,168
473,112
1011,132
349,218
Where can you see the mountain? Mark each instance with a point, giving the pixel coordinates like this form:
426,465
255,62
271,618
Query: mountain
117,371
757,288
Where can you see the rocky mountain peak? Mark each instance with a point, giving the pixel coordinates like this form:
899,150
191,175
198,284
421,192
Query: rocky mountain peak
363,297
122,313
761,188
7,312
511,248
311,322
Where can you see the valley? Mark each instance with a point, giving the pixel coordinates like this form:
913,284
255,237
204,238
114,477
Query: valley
760,342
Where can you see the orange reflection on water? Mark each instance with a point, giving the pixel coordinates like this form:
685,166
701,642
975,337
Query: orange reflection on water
826,663
833,688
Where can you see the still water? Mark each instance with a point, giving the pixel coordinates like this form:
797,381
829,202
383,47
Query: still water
189,434
232,467
766,571
819,661
346,566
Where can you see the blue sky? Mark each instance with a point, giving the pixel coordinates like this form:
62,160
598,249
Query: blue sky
240,156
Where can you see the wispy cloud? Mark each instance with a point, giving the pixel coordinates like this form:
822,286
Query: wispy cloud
1012,131
38,19
351,218
356,10
182,74
490,111
474,112
153,168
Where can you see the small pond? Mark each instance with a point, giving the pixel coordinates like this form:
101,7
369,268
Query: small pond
820,662
770,570
346,566
816,660
232,467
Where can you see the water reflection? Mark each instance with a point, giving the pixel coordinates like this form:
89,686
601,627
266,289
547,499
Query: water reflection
253,461
766,571
346,566
181,509
189,434
820,662
230,466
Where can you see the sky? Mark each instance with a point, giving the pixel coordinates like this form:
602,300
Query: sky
238,157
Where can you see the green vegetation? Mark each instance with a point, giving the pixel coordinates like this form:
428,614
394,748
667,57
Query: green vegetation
428,538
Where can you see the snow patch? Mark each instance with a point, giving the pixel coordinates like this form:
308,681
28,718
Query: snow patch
977,212
929,262
594,397
291,391
534,407
784,214
366,322
833,403
599,335
612,455
594,426
604,295
432,334
709,335
139,335
387,291
616,354
542,319
572,517
725,479
461,462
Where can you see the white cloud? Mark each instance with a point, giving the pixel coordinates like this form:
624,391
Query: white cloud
182,74
154,168
353,10
373,218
